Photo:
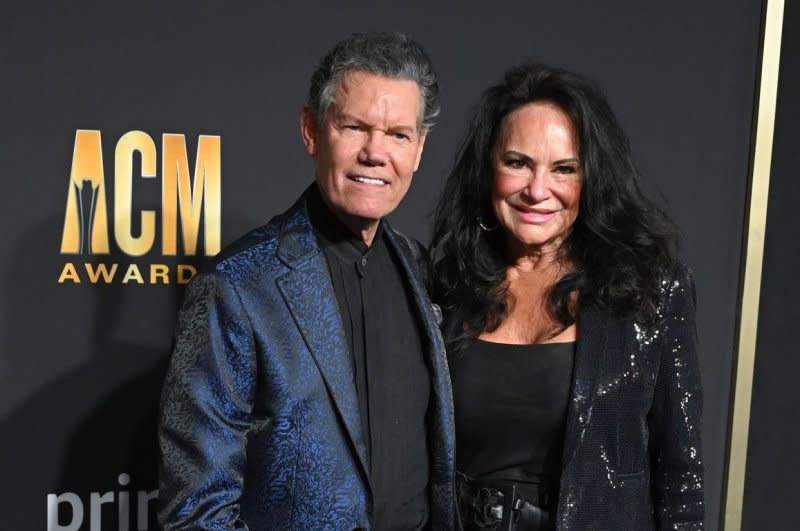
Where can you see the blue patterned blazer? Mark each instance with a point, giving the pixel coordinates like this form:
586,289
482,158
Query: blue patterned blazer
259,423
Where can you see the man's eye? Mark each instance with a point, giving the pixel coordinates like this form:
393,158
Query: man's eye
352,127
400,136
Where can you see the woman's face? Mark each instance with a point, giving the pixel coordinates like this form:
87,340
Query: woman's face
537,177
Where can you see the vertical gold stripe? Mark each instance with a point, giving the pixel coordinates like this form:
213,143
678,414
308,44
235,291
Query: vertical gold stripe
753,258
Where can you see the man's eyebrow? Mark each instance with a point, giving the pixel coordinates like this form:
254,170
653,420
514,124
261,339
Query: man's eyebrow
345,117
404,128
400,128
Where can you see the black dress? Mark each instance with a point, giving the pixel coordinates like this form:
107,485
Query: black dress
510,406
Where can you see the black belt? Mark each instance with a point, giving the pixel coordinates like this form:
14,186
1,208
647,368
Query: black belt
494,505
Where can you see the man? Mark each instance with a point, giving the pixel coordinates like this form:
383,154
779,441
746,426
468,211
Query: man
308,388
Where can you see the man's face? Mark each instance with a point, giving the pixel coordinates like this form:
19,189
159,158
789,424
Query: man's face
368,148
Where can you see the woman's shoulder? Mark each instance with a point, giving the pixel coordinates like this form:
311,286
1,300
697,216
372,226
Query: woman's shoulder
677,270
677,296
676,279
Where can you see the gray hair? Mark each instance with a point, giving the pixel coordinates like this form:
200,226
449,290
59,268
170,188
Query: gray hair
392,55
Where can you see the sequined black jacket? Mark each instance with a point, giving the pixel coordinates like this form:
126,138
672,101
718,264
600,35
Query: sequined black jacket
632,451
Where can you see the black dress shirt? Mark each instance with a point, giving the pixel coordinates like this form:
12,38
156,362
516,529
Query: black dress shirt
391,377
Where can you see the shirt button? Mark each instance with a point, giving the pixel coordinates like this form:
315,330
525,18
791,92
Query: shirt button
363,261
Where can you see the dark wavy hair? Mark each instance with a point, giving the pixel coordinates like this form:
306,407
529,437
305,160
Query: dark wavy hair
621,243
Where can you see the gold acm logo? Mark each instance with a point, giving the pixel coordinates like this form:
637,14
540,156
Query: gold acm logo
189,202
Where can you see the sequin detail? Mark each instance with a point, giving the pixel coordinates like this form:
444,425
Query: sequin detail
632,456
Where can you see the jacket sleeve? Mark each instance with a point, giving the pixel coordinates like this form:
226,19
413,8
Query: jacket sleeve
206,410
675,417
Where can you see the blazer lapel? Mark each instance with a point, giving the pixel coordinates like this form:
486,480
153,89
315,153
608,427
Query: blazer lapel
308,292
411,272
444,426
592,335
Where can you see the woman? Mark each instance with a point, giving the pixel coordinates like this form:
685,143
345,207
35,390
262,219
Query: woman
569,322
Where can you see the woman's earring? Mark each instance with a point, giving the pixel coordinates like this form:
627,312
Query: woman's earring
484,227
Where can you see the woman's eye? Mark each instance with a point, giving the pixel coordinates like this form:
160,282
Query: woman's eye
566,169
515,163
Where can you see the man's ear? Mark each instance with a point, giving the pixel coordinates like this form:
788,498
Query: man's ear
421,145
309,129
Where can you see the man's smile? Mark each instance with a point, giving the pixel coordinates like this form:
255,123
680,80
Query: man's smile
368,180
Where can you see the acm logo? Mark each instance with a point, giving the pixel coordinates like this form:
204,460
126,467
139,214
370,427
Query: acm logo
190,207
186,199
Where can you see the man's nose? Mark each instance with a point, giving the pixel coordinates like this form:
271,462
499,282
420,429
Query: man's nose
373,152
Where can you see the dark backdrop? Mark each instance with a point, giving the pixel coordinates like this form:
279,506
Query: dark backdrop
773,462
81,365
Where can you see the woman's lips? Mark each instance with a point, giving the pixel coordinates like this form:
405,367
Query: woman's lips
534,215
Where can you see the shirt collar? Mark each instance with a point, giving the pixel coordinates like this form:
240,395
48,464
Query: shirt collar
333,235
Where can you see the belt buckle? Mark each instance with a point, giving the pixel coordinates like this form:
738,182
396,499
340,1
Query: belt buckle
488,507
